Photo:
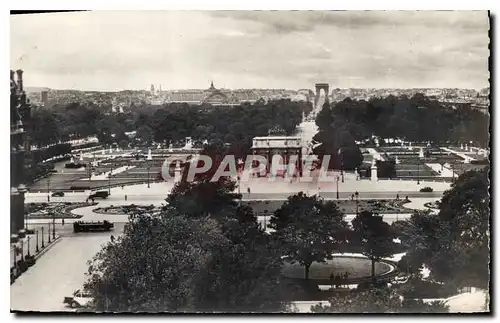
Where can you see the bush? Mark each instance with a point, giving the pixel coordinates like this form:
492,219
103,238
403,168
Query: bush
416,289
426,189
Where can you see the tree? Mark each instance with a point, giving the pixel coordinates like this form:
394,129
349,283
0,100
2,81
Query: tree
203,196
171,262
455,243
308,229
377,301
145,269
373,236
145,135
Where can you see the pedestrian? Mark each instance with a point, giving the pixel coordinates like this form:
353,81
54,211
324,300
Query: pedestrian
125,197
397,196
92,200
112,238
63,221
248,190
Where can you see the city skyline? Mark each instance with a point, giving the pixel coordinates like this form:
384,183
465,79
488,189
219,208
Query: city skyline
291,50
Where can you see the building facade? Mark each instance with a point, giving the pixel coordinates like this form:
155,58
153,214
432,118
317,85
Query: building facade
284,146
20,114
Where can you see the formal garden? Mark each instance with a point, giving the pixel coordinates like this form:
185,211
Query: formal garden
57,210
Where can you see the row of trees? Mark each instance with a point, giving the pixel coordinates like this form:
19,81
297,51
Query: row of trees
170,123
416,119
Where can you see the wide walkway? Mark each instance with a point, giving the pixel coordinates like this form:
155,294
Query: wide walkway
56,274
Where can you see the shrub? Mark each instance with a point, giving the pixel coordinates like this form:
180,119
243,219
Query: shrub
426,189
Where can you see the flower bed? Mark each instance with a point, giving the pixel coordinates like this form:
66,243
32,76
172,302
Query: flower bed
54,210
126,209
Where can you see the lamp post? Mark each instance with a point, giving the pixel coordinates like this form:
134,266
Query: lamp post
337,187
48,189
53,225
148,175
239,188
357,203
22,250
43,239
418,172
49,233
342,167
453,172
37,249
109,180
29,246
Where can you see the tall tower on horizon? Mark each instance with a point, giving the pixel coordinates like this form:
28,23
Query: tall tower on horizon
152,91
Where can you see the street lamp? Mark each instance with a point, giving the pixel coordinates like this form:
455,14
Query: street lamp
49,233
48,189
342,167
43,239
29,246
357,195
239,188
109,180
337,187
453,172
22,251
418,171
53,225
37,249
148,175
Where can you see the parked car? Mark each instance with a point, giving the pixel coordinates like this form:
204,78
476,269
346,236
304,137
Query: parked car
99,194
58,194
79,299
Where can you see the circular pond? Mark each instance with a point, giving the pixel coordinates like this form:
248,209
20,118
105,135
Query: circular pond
356,267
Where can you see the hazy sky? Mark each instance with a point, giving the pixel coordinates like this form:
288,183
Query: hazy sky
115,50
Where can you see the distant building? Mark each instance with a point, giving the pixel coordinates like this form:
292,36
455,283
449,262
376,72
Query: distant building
213,96
152,91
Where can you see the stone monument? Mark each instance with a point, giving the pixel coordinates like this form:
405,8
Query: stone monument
177,172
189,143
149,155
421,153
374,176
397,160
